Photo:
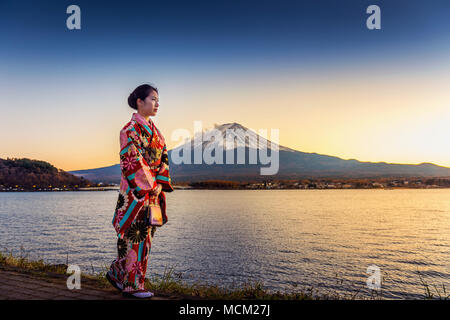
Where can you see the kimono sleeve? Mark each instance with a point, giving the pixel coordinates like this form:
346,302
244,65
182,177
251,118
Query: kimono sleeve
133,165
163,176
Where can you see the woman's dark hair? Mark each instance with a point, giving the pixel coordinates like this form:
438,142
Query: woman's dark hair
140,92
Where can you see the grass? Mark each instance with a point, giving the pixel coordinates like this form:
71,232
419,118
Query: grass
169,283
172,283
429,294
41,268
7,259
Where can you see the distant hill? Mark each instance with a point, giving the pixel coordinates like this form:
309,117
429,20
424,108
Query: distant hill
34,174
107,175
293,164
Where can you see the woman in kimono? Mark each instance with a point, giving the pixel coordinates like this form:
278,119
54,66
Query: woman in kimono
144,163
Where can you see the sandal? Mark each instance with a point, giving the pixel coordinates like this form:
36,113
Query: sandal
142,294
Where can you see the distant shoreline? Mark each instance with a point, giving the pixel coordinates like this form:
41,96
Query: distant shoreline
192,188
390,188
109,188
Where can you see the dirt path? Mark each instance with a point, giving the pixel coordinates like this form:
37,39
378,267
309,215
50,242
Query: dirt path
17,284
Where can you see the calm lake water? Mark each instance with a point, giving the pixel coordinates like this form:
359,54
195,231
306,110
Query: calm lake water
287,239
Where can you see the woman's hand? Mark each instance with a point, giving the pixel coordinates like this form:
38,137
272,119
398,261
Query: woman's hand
158,190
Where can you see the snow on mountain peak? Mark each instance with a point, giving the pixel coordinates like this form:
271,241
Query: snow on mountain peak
240,135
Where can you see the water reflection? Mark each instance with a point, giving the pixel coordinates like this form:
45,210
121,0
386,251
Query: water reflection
320,238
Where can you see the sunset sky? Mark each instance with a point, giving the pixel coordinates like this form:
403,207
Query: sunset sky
308,68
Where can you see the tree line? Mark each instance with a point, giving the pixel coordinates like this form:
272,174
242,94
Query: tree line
24,173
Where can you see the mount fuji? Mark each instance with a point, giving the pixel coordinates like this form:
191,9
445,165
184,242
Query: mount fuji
293,164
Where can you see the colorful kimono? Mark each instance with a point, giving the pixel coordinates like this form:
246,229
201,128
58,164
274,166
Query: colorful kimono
144,163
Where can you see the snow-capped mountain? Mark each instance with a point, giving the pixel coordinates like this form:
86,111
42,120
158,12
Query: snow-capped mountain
243,137
293,164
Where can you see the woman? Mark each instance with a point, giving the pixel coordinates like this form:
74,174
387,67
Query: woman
144,163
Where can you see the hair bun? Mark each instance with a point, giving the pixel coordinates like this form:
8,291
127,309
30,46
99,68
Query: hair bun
132,100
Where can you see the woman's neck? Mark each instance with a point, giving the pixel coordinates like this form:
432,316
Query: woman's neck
147,118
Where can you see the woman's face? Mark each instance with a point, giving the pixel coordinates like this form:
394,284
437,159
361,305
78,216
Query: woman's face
149,107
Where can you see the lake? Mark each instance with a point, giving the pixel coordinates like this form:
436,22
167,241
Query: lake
287,239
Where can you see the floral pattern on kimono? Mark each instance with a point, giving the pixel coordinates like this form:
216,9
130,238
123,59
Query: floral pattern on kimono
144,164
130,266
